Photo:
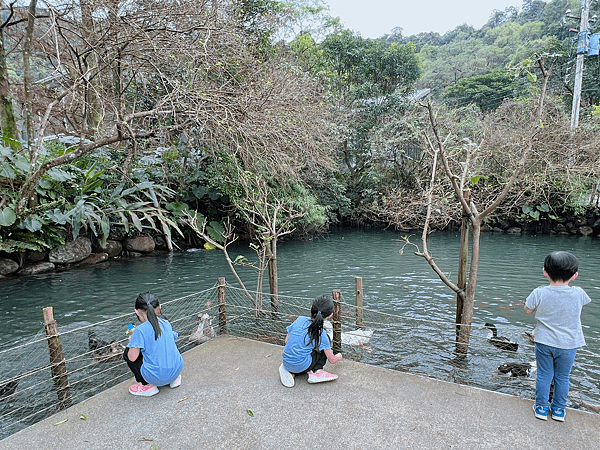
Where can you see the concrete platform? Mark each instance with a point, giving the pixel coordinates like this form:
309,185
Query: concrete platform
231,398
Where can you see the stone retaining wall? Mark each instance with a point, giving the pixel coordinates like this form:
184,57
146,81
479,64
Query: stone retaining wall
79,252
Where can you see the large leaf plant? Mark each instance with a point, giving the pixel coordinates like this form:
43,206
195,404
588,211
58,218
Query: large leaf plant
83,196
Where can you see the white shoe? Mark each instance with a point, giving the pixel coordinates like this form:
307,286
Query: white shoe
287,378
176,383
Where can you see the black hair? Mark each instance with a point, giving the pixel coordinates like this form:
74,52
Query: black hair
561,266
149,302
321,308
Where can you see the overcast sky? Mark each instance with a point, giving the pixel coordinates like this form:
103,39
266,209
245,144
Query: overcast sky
374,18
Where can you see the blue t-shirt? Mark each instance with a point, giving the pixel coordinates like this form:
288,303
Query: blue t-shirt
558,315
162,361
297,351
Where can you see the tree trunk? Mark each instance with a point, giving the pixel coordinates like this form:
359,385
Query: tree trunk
464,335
8,123
27,81
92,107
271,248
462,266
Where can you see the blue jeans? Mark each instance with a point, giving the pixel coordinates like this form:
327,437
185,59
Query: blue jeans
553,364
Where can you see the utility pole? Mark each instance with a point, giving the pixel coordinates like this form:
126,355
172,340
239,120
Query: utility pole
583,28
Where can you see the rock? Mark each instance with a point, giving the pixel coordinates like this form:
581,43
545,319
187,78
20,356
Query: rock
34,256
95,258
160,242
586,231
8,266
497,230
485,228
116,234
37,268
140,244
514,230
560,228
112,248
71,252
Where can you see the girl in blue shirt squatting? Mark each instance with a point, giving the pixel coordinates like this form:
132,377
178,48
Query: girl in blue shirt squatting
307,347
152,354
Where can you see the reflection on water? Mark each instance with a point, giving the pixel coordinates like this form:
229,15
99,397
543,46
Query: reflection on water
394,283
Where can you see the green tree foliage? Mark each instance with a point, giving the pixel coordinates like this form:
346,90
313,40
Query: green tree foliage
591,82
498,17
486,91
306,18
368,79
368,68
256,22
509,37
531,11
554,14
470,55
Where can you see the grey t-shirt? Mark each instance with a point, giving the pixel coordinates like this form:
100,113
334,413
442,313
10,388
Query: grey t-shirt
558,315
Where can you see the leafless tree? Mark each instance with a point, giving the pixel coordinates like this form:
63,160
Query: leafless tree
128,71
523,149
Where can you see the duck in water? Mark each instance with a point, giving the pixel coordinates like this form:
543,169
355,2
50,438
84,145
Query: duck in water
514,369
103,351
503,343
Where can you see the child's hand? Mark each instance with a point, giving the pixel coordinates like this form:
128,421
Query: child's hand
338,357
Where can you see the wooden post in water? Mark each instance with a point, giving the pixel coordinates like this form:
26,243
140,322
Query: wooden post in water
336,346
57,358
358,288
222,307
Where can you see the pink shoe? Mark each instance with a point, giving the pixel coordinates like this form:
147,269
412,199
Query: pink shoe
176,383
320,376
143,390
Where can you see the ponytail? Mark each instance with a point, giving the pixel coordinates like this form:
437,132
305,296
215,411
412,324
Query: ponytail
321,308
149,302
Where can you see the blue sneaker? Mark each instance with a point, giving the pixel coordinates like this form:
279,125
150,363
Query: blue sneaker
558,414
541,412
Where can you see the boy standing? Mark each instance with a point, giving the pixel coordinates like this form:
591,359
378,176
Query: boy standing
558,332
